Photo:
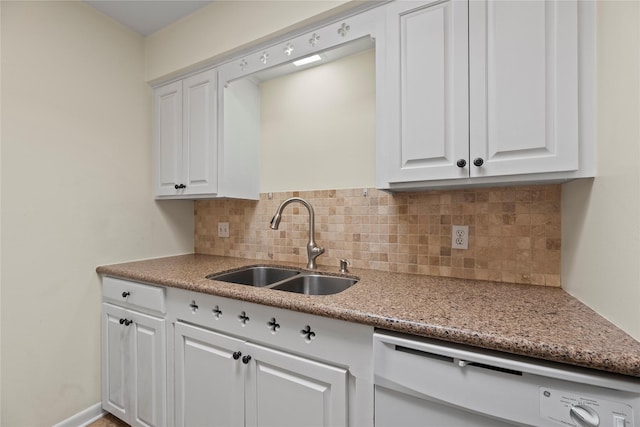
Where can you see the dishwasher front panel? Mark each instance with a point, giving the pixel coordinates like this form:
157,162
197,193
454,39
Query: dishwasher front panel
431,383
397,409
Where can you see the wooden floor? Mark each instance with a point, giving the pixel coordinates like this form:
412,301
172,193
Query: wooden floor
108,421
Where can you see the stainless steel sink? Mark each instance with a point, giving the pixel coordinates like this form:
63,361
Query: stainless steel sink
256,276
287,279
316,284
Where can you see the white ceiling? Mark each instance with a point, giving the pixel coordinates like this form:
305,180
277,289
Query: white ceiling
147,16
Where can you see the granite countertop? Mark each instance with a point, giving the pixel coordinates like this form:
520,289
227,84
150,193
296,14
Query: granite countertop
535,321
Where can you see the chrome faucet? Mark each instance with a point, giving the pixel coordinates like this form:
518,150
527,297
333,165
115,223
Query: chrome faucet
313,251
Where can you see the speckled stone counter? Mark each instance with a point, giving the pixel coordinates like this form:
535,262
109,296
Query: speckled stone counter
535,321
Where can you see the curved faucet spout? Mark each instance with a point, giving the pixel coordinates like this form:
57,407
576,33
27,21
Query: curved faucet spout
313,251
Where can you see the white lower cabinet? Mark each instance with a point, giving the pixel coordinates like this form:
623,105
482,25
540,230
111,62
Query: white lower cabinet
224,381
134,352
134,366
209,385
289,391
243,364
177,357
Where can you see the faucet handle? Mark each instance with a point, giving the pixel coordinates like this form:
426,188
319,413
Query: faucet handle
343,265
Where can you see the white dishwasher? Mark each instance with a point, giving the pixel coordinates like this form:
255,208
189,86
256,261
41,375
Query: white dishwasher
423,382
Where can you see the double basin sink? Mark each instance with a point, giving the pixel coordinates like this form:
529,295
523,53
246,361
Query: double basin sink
287,279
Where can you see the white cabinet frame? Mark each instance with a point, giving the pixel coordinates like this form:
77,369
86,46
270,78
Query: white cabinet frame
333,367
134,378
186,137
486,92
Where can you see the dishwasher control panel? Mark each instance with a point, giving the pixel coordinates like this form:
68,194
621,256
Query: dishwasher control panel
571,409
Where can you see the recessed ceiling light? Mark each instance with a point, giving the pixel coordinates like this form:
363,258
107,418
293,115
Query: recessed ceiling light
307,60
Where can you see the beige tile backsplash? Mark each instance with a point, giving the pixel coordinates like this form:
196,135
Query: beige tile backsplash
514,232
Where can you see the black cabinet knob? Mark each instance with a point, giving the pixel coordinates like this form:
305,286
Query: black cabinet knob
236,355
125,294
461,163
246,359
179,186
478,161
126,322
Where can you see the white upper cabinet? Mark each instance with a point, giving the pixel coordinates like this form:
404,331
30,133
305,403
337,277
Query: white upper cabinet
186,137
199,134
427,78
208,126
482,92
168,138
190,161
523,71
477,92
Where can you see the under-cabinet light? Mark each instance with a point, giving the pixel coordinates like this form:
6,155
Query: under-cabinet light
307,60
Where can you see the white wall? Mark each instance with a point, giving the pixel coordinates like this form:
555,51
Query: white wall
76,193
601,217
318,127
224,26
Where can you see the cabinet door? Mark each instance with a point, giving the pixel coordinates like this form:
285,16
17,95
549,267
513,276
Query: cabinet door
284,390
148,370
200,155
428,90
168,138
523,86
115,361
209,386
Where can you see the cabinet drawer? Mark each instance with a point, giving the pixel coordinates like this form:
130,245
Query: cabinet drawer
133,294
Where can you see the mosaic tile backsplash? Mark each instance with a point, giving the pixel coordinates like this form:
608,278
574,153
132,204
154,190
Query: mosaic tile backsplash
514,232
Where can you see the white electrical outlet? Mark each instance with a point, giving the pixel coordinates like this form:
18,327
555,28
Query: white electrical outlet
460,237
223,229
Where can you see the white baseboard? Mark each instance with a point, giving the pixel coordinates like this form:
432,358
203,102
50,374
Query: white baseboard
83,418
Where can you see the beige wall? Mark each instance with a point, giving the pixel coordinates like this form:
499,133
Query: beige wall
601,217
223,26
76,193
318,127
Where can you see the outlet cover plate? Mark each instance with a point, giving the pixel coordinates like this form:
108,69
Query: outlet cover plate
223,229
460,237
